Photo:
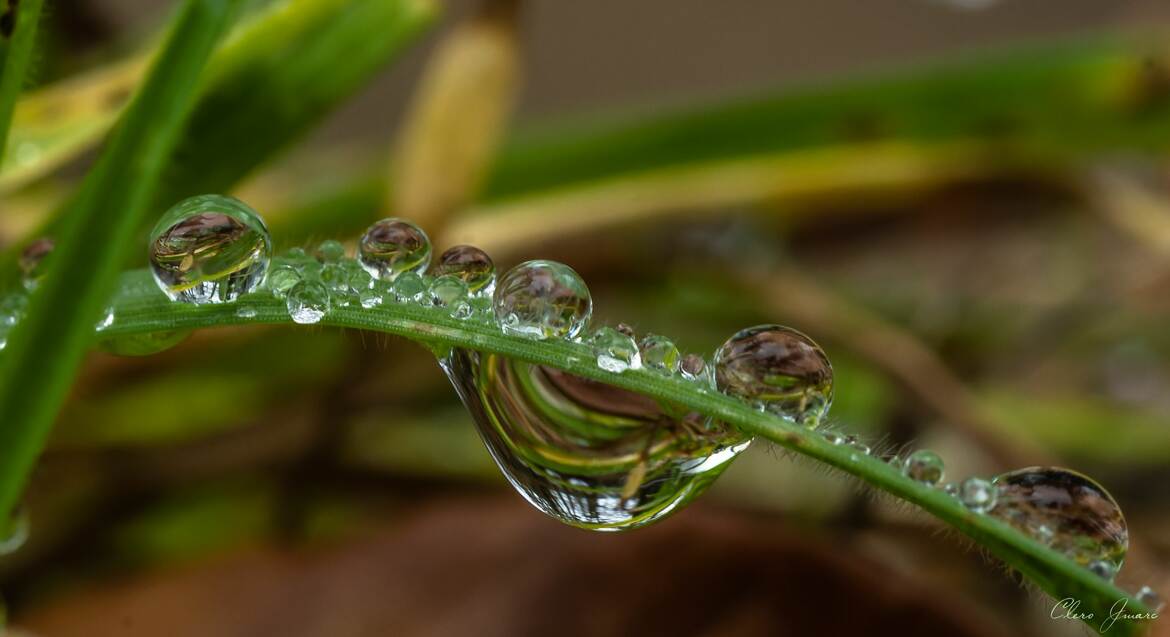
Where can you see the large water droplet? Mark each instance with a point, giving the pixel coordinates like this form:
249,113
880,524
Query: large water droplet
615,351
143,344
1083,520
307,302
588,453
209,249
33,263
924,466
659,353
977,494
472,265
392,247
779,369
542,299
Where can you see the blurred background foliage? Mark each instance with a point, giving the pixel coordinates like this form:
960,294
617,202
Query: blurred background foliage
969,208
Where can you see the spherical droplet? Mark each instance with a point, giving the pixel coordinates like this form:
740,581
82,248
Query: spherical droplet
778,369
143,344
448,291
281,279
1084,521
542,299
246,312
857,444
33,263
470,264
1150,598
209,249
615,351
833,438
1103,569
330,251
977,494
392,247
659,353
924,466
693,367
627,329
308,302
409,287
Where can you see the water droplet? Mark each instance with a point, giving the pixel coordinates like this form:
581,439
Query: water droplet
833,438
615,351
32,261
336,280
308,302
924,466
17,532
1085,522
106,321
246,312
409,287
12,309
585,452
857,444
449,291
951,489
1150,598
281,279
1103,569
977,494
330,251
392,247
693,367
209,249
370,298
627,329
359,280
542,299
143,344
778,369
470,264
659,353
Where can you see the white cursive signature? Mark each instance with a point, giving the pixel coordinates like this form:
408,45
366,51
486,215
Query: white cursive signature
1070,608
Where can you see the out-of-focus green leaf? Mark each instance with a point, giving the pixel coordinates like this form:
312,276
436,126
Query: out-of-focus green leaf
18,28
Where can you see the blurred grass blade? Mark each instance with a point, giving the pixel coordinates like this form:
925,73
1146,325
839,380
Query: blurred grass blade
46,347
18,27
457,117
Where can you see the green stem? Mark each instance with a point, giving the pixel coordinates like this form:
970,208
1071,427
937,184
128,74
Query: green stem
18,28
140,308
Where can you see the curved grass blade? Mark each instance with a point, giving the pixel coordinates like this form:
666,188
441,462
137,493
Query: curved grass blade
46,348
141,308
18,27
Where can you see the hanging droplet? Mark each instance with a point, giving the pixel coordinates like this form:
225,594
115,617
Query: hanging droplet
143,344
281,279
472,265
308,302
924,466
33,263
615,351
409,287
977,494
17,532
693,367
587,453
449,291
1084,520
330,251
392,247
209,249
542,299
659,353
1150,599
779,370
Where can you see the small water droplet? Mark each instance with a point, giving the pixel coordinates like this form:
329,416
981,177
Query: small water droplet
693,367
857,444
470,264
33,262
924,466
281,279
449,291
17,532
330,251
392,247
833,438
778,369
588,453
246,312
542,299
1084,521
12,309
336,280
409,287
143,344
370,298
106,321
1103,569
659,353
308,302
627,329
977,494
615,351
951,489
1150,598
209,249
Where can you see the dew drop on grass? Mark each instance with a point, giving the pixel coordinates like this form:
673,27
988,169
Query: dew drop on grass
857,444
308,302
209,249
615,351
106,320
33,263
143,344
16,534
330,251
541,300
584,452
246,312
1084,522
659,353
777,369
281,279
924,466
1103,569
470,264
693,367
392,247
1150,598
450,292
977,494
409,287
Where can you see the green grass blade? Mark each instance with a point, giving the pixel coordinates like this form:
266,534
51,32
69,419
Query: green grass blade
18,27
142,308
46,347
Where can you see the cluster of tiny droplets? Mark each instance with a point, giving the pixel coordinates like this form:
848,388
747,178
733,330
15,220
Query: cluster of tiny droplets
775,368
